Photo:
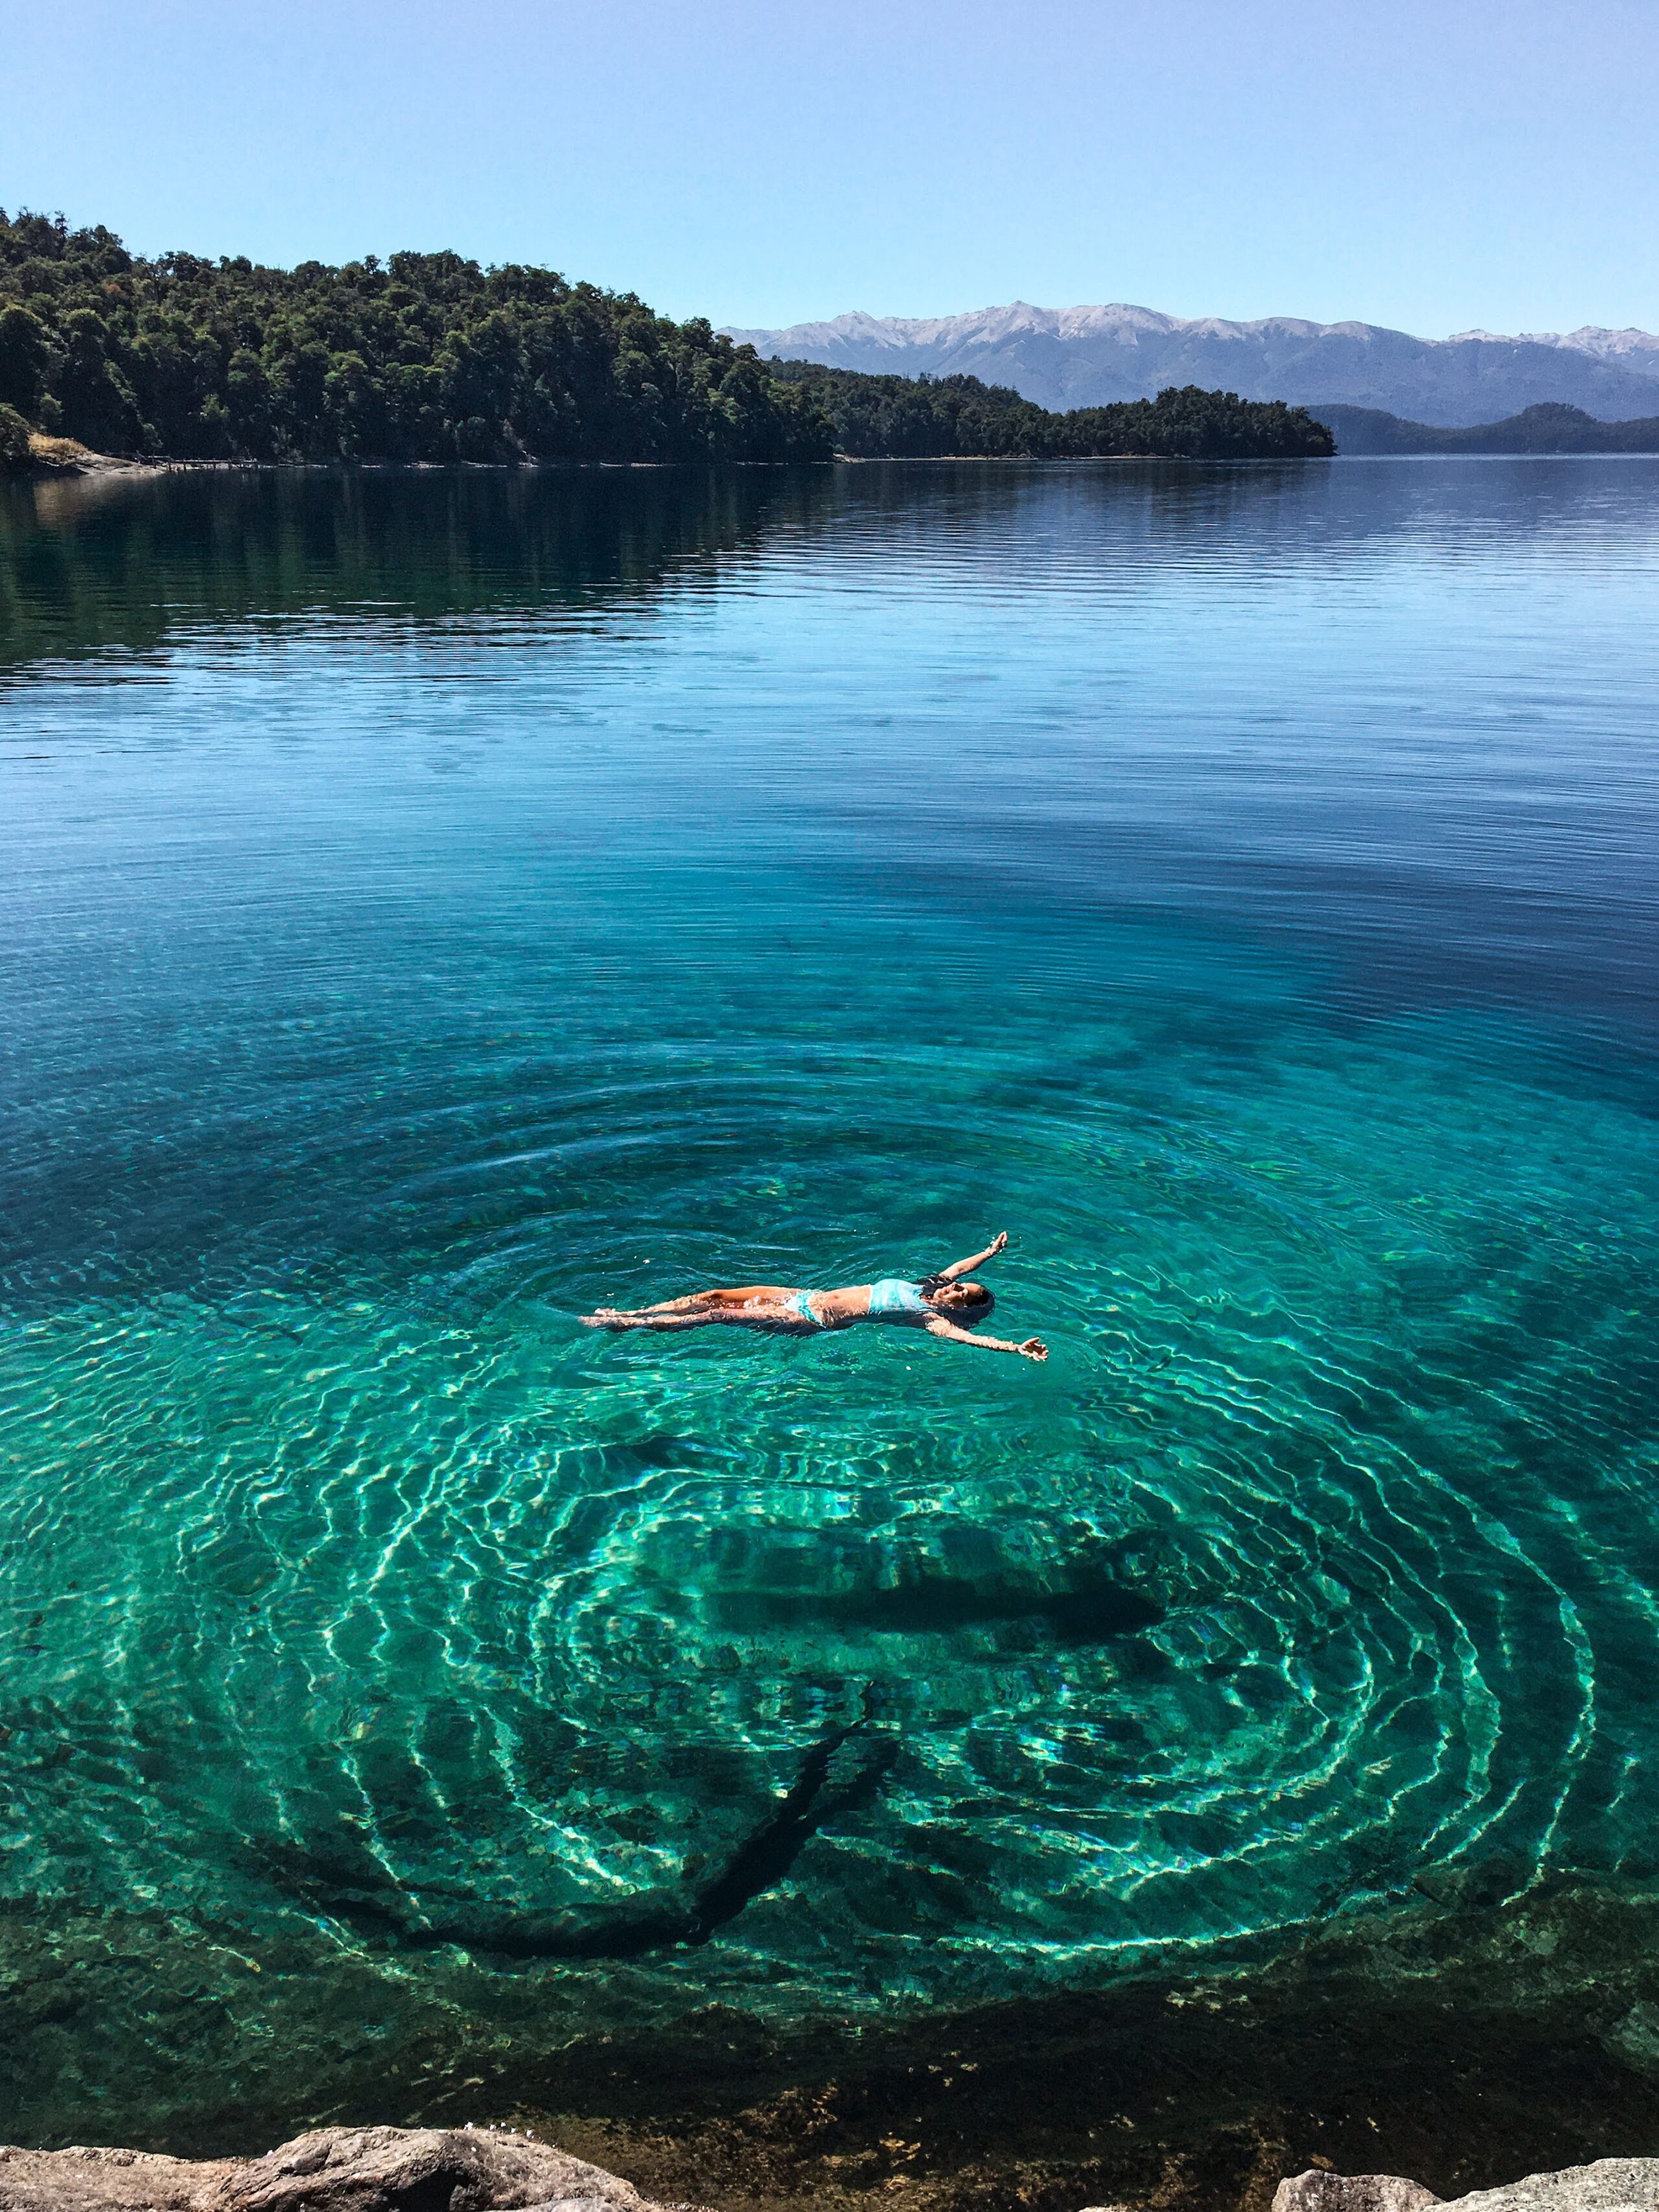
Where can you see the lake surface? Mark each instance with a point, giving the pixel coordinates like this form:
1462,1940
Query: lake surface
433,906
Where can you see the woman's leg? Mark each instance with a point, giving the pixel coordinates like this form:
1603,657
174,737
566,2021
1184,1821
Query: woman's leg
606,1318
751,1314
762,1294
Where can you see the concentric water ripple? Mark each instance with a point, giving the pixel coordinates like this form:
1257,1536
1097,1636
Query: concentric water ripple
1236,884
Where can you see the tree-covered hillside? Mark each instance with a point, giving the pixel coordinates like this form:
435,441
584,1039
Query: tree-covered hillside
918,417
428,357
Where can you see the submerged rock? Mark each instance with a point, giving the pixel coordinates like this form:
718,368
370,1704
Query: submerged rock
331,2169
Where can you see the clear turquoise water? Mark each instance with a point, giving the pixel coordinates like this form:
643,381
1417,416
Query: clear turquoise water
432,907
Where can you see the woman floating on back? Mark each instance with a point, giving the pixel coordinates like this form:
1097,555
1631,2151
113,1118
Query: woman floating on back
939,1303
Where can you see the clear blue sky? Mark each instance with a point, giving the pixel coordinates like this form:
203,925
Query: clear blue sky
1431,165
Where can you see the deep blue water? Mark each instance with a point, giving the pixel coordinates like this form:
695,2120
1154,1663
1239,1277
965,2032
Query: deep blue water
433,906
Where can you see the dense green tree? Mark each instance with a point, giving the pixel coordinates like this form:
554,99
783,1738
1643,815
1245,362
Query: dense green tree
98,403
25,359
14,438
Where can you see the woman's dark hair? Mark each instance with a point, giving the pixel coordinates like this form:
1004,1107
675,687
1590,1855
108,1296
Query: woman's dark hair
983,1301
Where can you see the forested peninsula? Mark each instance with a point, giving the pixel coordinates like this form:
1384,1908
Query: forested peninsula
431,358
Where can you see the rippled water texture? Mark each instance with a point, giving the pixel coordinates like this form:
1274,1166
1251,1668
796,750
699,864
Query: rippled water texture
434,906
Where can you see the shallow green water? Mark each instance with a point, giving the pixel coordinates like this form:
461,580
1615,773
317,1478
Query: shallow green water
432,907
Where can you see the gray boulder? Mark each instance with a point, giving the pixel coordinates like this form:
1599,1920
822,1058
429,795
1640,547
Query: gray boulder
331,2170
1319,2191
81,2180
1611,2184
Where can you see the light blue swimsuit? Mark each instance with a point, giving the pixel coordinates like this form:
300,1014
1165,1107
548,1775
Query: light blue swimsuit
890,1300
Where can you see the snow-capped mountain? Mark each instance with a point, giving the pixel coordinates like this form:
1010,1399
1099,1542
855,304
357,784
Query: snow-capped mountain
1637,349
1084,357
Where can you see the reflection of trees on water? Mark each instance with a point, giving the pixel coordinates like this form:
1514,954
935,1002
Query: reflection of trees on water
87,564
91,564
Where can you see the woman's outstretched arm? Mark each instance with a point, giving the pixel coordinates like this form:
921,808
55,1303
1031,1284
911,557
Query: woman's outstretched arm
1033,1347
960,1267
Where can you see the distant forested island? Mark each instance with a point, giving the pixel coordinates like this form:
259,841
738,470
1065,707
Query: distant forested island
917,417
428,357
1549,428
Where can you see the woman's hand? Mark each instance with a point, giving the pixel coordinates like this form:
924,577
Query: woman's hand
958,1268
1033,1348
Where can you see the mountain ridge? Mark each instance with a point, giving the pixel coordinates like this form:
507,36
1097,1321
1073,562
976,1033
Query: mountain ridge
1094,356
1547,428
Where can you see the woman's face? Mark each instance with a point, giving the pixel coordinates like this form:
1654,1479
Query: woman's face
957,1298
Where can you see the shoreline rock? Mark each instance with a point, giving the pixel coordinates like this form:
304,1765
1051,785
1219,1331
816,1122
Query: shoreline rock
328,2170
1609,2184
386,2169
